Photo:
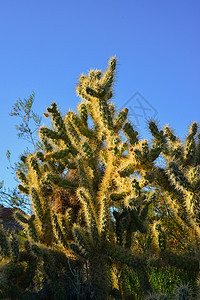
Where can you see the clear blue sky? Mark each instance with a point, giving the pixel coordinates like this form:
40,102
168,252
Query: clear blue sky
46,45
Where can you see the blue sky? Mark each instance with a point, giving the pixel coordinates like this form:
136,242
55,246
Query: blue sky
46,45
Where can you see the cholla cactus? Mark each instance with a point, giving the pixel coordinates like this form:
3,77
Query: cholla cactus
178,182
88,188
81,176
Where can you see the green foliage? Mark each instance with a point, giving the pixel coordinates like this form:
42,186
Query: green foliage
23,110
26,130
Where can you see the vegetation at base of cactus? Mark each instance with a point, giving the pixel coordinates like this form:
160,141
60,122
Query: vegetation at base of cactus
181,292
157,297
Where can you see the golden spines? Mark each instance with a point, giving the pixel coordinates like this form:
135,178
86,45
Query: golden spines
108,78
35,165
177,176
81,126
90,212
118,196
81,240
170,134
32,231
57,119
127,171
190,146
58,231
85,178
120,120
37,204
96,86
130,133
57,155
104,218
82,109
22,176
157,134
87,203
49,133
23,189
105,114
72,132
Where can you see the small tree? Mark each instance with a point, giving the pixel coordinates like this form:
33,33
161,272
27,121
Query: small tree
27,130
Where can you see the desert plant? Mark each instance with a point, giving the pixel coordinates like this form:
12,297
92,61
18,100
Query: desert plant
92,185
76,182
